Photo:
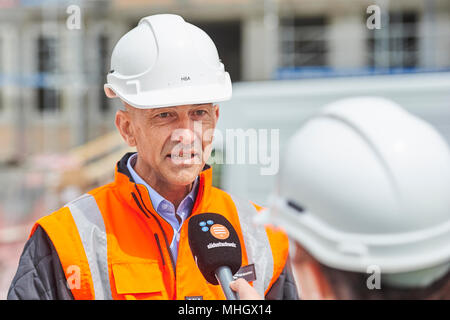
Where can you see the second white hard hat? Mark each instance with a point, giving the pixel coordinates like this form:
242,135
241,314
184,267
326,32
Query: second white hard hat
366,183
165,61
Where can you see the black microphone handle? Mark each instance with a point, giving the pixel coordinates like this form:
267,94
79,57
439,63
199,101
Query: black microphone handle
224,276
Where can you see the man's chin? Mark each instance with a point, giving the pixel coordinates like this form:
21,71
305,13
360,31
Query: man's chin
183,174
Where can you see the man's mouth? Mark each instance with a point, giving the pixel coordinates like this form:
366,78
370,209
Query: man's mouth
184,157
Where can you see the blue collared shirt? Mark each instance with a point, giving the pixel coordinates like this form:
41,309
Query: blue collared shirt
165,208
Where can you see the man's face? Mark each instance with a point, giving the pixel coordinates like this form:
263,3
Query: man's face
173,143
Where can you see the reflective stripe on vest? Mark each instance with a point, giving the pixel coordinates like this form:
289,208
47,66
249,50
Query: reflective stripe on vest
91,228
256,243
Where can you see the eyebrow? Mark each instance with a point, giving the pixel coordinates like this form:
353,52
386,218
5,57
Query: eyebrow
209,105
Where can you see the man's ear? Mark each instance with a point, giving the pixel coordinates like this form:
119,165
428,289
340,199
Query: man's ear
216,111
109,92
123,124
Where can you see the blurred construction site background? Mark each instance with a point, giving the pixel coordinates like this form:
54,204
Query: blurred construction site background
286,58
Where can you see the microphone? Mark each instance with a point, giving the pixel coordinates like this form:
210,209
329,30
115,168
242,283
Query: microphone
216,249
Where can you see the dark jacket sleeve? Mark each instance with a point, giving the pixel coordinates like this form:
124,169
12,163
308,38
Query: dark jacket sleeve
40,275
284,287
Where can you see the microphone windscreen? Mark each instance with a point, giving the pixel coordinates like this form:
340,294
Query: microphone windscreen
214,243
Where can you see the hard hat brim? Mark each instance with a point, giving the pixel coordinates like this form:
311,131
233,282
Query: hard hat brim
393,253
208,93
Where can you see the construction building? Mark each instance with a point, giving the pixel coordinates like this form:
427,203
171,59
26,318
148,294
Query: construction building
52,74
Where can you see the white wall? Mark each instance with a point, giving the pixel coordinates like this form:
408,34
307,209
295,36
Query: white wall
284,105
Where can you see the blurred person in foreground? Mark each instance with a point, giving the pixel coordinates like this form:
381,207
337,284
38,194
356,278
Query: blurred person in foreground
364,194
128,239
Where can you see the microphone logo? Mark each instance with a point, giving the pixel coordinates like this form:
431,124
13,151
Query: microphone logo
219,231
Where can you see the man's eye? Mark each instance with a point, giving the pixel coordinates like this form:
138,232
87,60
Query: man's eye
163,115
200,112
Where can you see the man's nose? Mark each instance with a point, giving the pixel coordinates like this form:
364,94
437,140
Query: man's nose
186,131
183,135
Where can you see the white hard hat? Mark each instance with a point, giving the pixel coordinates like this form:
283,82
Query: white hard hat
366,183
165,61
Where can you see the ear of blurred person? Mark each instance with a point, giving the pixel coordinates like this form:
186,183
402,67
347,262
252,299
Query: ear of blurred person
317,281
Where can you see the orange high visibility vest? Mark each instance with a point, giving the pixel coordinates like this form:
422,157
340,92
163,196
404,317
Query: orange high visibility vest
112,243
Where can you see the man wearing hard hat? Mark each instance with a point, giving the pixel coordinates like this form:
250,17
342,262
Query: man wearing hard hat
364,193
128,239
